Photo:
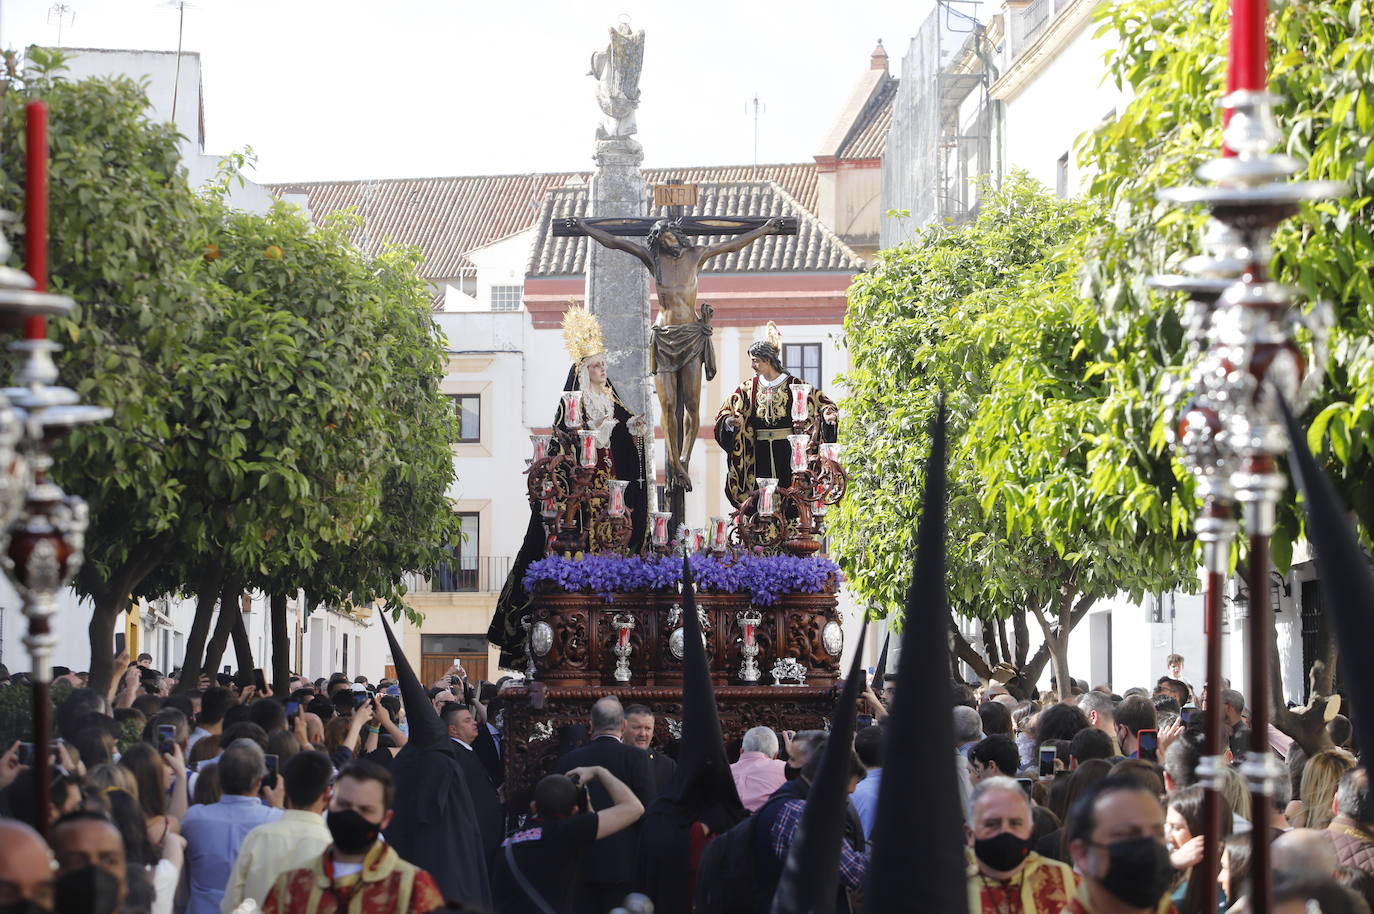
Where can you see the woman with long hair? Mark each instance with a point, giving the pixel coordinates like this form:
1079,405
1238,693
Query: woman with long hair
155,782
1320,776
1184,829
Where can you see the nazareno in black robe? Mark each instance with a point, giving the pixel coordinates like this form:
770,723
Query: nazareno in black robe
702,789
505,630
433,824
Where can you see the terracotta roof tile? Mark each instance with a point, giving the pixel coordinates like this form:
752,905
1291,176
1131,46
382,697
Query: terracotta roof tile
867,138
813,248
448,217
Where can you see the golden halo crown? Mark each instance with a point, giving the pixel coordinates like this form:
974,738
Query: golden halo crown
582,334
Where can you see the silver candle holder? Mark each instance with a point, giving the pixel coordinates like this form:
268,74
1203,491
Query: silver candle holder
623,623
1229,431
749,621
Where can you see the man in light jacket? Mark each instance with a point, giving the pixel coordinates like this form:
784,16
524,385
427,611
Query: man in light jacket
293,841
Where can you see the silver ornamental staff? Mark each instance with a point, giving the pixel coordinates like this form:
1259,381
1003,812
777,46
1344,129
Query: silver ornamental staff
1231,433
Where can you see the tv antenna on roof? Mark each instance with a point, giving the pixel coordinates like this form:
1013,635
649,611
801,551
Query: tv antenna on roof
61,11
759,109
181,6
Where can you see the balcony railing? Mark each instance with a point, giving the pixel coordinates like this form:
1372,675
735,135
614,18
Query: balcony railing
465,574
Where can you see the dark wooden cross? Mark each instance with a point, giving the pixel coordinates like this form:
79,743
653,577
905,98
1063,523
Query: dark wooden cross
676,198
679,386
628,227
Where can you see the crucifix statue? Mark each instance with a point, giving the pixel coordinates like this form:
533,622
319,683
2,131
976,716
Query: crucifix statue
680,344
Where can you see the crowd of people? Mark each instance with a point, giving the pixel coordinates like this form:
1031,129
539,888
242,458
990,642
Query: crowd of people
229,798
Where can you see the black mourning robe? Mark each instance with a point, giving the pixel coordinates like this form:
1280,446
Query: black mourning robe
506,630
701,790
433,824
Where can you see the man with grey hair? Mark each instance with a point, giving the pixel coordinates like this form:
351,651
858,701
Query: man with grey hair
800,746
968,729
1100,710
1352,830
215,832
758,772
1008,875
607,874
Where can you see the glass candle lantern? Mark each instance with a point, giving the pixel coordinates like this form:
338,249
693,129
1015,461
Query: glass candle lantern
661,519
586,450
718,530
541,446
548,507
698,540
768,497
830,450
800,458
801,401
616,506
572,408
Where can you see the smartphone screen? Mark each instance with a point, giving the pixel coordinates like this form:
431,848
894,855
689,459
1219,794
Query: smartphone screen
359,699
1149,745
260,681
271,765
864,720
167,734
293,708
26,753
1190,714
1047,757
1027,785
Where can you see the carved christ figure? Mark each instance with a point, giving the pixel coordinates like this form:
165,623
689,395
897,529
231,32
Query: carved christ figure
681,338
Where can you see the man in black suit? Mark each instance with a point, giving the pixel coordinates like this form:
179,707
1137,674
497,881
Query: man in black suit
491,820
639,732
608,874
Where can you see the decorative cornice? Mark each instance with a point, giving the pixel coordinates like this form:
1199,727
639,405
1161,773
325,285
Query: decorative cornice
1063,28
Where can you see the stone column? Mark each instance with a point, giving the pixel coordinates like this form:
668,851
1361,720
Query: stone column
617,283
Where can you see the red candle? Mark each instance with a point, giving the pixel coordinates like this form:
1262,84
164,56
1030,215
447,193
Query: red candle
1245,68
624,636
588,457
36,210
749,633
617,505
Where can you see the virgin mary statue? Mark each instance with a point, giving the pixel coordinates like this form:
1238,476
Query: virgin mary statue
618,429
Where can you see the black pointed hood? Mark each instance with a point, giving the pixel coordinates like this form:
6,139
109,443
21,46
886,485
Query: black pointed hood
1344,575
426,728
880,671
811,874
917,861
702,786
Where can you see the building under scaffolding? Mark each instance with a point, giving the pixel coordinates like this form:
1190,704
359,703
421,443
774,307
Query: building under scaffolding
940,145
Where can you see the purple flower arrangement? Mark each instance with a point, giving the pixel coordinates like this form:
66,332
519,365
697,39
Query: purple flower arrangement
765,578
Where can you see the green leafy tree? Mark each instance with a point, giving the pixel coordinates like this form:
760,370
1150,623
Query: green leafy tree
990,315
126,238
326,382
275,391
1323,67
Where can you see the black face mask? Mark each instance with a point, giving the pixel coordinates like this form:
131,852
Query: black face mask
352,833
24,906
1003,852
1138,872
89,890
